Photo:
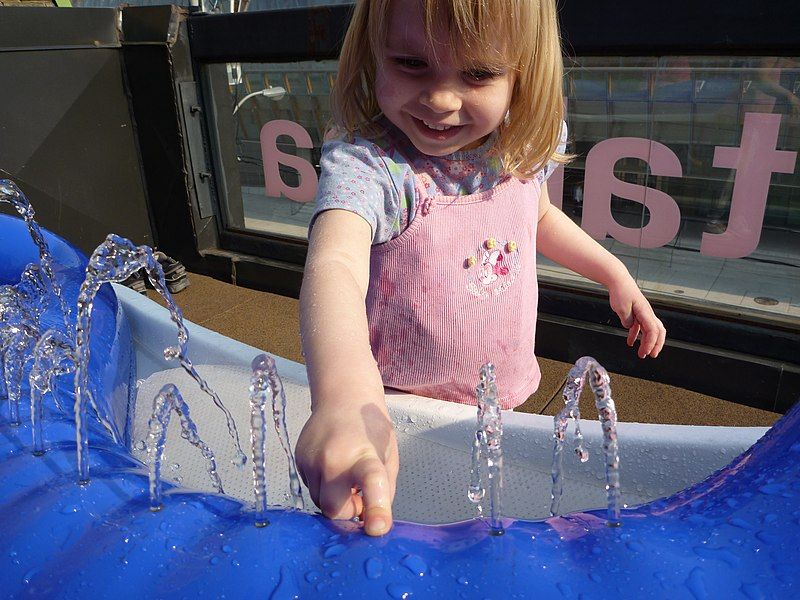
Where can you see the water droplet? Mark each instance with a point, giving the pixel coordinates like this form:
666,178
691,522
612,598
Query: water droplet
772,489
335,550
373,567
696,583
214,560
475,495
565,589
722,554
227,549
635,546
741,523
768,537
71,509
175,466
415,564
140,445
398,591
29,575
463,580
752,591
312,576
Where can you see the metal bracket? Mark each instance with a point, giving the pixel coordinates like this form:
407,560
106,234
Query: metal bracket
193,126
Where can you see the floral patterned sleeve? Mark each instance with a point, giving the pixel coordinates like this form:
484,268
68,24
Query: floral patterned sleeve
357,177
551,166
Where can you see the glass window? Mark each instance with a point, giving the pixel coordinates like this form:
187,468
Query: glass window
686,169
268,99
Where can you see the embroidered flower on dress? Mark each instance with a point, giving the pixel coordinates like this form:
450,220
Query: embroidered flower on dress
494,267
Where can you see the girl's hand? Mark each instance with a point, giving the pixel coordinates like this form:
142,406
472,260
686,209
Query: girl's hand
637,316
348,459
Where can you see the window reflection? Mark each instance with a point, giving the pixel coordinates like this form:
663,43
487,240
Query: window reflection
696,107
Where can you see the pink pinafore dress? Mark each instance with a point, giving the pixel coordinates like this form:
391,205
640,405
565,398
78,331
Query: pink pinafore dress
458,289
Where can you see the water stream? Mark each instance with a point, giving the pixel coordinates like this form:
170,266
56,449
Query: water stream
167,401
265,379
259,385
487,447
53,355
116,259
587,368
21,306
11,194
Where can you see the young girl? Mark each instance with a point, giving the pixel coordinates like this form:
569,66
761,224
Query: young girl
430,211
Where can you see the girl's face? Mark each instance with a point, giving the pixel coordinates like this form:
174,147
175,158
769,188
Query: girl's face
441,104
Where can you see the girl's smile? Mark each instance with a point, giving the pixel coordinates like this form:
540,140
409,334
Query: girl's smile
437,132
422,87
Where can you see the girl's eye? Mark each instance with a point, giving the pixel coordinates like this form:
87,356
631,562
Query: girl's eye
482,74
409,63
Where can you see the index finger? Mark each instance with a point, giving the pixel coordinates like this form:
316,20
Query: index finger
377,493
653,339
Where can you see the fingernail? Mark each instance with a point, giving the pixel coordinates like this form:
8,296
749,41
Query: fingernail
377,527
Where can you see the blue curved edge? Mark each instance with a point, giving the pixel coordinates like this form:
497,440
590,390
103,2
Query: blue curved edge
733,535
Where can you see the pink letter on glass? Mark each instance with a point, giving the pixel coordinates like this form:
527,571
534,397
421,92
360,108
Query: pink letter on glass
755,161
600,184
273,157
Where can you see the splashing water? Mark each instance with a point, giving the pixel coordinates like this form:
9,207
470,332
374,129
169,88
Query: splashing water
19,338
53,356
587,368
169,399
11,194
265,377
21,306
116,259
487,446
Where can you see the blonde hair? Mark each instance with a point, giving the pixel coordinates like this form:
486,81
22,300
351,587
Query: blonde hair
530,135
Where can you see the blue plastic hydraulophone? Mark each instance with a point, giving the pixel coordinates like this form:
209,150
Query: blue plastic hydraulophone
734,534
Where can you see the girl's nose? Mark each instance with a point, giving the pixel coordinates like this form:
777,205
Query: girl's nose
440,100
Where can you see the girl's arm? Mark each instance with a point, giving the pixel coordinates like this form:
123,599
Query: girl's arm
562,241
348,443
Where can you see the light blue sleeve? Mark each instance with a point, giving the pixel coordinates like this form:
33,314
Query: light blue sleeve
358,177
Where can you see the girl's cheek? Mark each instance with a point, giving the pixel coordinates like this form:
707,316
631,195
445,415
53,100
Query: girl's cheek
383,87
386,94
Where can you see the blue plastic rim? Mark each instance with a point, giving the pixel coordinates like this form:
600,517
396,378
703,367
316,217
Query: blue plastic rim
733,535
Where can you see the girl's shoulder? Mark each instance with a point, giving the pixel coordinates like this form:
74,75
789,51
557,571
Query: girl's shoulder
363,176
375,158
384,145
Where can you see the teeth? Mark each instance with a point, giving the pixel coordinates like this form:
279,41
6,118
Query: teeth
437,127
